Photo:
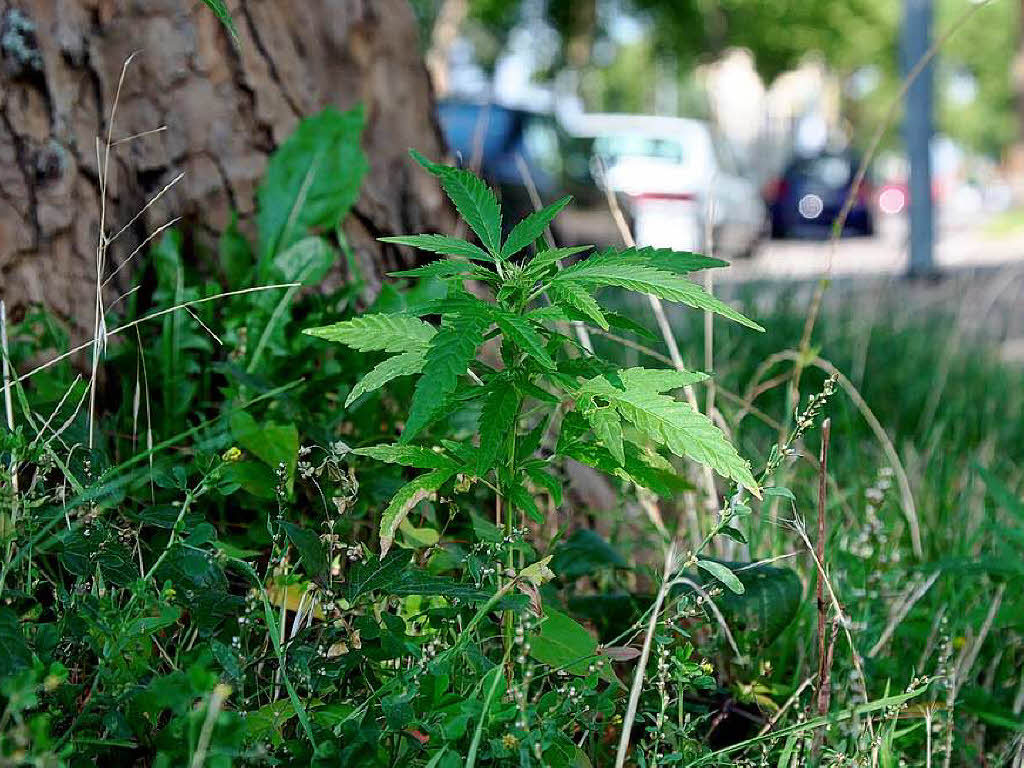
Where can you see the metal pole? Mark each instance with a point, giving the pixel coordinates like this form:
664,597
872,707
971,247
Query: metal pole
917,127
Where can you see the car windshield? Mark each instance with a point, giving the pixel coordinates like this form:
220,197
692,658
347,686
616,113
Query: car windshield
618,146
828,170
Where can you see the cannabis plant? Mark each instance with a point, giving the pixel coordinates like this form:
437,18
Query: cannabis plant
540,387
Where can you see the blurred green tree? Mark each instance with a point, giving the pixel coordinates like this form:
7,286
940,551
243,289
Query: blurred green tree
975,88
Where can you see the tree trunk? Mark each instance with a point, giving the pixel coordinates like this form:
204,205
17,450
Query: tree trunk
225,109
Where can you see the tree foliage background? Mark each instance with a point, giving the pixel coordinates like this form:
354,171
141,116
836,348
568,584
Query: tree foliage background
850,34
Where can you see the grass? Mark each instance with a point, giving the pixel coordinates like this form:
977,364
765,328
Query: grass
194,575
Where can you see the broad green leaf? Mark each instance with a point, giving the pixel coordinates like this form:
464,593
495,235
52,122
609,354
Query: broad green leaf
418,538
310,549
608,430
415,581
575,297
531,227
451,351
405,498
472,198
449,246
304,263
769,603
312,179
200,584
497,423
675,425
597,271
274,444
524,336
14,653
404,364
583,553
375,574
562,643
407,456
723,574
383,333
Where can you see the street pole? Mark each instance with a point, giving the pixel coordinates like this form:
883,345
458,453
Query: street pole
915,39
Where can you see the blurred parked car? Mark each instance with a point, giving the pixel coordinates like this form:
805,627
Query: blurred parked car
488,138
678,175
807,199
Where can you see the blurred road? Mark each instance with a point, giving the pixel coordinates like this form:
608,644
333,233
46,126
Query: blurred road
959,245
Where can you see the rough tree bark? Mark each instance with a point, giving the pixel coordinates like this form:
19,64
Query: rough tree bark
225,109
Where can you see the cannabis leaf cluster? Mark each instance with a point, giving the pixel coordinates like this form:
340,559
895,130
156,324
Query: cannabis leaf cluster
546,382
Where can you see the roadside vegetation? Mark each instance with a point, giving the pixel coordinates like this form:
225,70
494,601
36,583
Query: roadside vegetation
502,515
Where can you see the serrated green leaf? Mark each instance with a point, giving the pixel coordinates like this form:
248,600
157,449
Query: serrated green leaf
447,269
497,423
544,259
598,270
575,297
451,351
458,302
404,364
608,430
472,198
675,425
537,474
407,456
312,179
659,379
378,333
723,574
624,323
659,258
405,498
524,336
449,246
531,227
523,500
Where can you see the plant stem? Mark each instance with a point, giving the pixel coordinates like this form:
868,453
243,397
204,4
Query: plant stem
641,663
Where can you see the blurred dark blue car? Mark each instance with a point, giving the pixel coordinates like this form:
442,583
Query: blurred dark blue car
489,138
806,200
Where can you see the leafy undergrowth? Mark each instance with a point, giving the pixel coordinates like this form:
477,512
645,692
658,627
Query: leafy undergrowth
376,542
